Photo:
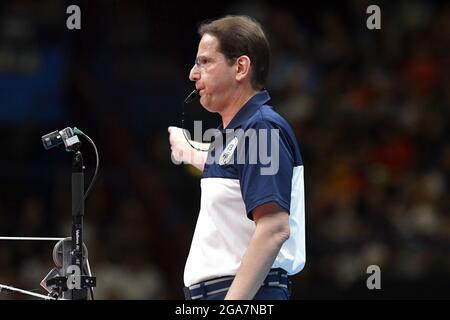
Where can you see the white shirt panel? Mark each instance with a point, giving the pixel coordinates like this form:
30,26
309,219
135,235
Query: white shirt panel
223,231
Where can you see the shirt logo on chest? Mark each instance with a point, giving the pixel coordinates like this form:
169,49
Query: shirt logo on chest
227,154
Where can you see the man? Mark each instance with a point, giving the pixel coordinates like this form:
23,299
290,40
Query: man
250,231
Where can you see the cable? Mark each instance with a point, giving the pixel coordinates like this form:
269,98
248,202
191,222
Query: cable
94,177
188,141
186,101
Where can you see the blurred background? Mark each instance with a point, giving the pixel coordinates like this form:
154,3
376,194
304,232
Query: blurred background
370,109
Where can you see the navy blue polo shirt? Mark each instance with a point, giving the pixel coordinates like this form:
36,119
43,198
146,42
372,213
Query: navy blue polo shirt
255,160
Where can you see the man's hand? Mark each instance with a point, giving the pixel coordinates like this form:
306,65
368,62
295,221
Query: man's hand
178,145
183,152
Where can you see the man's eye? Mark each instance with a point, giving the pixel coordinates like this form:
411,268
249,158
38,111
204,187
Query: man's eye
201,61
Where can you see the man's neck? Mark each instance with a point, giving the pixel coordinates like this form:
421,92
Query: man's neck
237,102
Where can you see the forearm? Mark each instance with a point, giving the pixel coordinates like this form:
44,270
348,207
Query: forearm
259,258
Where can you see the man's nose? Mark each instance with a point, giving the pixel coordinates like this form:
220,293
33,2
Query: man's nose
194,75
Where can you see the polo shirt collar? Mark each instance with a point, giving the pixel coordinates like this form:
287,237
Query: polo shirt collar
248,110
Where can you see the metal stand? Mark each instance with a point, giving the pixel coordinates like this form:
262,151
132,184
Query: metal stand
74,283
72,278
77,217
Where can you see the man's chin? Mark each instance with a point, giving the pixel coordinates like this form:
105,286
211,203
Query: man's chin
207,106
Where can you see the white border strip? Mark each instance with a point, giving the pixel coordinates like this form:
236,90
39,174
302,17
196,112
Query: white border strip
8,288
31,238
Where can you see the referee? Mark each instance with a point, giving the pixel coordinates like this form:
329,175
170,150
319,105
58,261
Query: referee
250,232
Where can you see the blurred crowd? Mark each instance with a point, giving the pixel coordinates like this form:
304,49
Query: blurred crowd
370,108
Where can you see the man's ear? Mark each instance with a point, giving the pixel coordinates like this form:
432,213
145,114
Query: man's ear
243,65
